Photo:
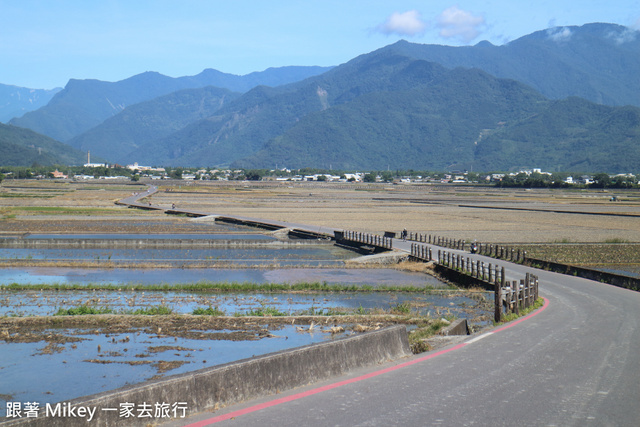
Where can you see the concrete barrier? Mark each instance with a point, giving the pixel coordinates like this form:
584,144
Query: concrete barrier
222,385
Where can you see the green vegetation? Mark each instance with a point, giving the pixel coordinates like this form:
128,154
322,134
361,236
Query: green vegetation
264,311
83,310
23,147
160,310
208,311
418,336
227,287
523,312
404,308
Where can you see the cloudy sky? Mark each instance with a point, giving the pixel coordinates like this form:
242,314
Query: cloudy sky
44,43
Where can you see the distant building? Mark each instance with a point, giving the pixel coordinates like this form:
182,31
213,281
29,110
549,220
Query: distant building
57,174
93,165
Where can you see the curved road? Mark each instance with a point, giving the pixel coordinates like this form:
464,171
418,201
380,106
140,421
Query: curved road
574,363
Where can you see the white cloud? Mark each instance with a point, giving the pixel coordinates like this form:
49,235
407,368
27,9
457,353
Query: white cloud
559,34
456,23
409,23
625,36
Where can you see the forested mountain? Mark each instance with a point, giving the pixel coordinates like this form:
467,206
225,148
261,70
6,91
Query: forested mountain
84,104
388,110
23,147
405,106
15,101
597,62
143,123
373,108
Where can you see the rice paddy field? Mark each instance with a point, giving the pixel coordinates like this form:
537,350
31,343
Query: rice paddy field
118,333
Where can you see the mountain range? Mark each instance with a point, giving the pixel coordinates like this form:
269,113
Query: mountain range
16,101
83,104
560,99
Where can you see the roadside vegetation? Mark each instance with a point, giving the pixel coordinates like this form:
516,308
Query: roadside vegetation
523,312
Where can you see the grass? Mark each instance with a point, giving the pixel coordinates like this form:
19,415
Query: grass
418,336
616,240
523,312
231,287
83,310
160,310
208,311
404,308
264,311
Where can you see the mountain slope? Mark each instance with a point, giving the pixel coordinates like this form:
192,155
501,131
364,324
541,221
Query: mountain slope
15,101
431,125
243,127
84,104
150,120
598,62
23,147
569,135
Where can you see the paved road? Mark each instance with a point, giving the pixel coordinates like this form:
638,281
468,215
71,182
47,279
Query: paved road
575,363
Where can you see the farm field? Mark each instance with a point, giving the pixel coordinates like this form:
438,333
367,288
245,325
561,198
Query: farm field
486,214
579,227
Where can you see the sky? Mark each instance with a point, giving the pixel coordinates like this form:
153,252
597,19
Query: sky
44,43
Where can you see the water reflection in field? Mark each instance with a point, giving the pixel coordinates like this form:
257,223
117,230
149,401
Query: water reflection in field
283,255
357,276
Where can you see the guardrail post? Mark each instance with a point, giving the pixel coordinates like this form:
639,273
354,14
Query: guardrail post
497,303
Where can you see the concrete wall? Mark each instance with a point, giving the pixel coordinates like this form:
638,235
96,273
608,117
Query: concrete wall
234,382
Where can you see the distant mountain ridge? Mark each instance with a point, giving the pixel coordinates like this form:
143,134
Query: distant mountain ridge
598,62
378,111
16,101
404,106
84,104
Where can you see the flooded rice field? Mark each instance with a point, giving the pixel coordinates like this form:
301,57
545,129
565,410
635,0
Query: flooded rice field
60,360
47,358
117,276
49,302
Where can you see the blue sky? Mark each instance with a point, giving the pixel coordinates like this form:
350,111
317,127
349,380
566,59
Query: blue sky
44,43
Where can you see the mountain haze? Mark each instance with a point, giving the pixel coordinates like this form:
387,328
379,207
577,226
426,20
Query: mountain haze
84,104
15,101
561,99
147,121
597,62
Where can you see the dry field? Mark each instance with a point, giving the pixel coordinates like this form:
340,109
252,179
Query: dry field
472,213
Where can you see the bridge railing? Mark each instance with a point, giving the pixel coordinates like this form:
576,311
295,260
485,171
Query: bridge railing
510,296
369,239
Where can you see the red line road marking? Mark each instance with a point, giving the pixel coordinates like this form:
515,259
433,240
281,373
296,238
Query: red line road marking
297,396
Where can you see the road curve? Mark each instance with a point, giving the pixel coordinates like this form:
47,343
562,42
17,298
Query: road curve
575,363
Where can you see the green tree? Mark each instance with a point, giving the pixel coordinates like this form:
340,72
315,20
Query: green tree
370,177
176,173
601,180
387,176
